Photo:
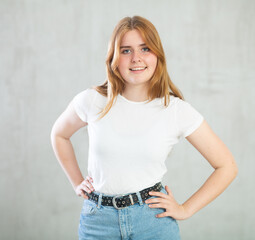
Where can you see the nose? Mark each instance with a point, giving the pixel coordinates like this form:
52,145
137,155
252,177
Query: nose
136,56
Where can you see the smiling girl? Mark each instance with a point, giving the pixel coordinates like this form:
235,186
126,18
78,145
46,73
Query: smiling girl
134,119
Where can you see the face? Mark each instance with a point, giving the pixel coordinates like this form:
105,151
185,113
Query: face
136,63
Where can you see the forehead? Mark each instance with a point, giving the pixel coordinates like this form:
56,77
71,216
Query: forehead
132,37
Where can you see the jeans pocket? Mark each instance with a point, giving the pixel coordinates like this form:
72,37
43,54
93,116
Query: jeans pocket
89,207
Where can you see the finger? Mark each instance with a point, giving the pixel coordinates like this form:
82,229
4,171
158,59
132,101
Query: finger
160,215
86,189
79,192
89,179
91,187
168,190
156,200
153,193
84,195
160,194
88,184
154,205
84,183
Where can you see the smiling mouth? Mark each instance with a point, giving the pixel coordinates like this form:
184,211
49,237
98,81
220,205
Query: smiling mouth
137,69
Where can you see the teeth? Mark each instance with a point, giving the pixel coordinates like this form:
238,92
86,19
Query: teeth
136,69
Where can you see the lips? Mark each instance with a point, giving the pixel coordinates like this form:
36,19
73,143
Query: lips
134,69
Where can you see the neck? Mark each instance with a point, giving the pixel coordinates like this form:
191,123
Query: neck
136,96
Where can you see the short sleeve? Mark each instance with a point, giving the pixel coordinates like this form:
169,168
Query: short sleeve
187,117
81,103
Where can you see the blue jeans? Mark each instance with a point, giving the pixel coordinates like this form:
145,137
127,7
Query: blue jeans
136,222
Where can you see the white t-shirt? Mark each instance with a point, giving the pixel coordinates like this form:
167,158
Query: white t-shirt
129,145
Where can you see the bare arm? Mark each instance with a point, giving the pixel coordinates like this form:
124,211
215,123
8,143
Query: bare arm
64,127
220,158
218,155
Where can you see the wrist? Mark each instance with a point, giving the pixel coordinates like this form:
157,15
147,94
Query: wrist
186,210
76,184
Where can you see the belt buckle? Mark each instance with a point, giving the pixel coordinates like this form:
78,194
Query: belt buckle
114,203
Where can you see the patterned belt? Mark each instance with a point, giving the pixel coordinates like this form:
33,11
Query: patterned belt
122,201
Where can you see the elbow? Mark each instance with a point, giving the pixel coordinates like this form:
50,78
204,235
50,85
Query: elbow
233,169
234,173
230,169
52,137
53,133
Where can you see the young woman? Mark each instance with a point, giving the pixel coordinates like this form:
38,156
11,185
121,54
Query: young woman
134,119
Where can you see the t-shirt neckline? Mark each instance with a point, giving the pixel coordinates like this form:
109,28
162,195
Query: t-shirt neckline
133,102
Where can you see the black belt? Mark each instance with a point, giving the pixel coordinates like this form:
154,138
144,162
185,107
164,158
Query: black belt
122,201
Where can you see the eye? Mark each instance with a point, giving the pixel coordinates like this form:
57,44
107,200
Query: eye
125,51
146,49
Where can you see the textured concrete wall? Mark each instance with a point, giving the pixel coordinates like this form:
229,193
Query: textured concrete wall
51,50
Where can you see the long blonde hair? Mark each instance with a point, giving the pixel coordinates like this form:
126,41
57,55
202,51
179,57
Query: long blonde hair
160,85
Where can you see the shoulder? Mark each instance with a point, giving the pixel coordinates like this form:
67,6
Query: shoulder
186,110
88,92
176,101
85,95
180,103
188,117
84,98
82,103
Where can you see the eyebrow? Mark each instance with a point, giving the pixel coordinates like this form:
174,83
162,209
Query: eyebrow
143,44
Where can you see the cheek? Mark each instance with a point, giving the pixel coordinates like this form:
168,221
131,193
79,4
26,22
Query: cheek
152,61
123,65
153,64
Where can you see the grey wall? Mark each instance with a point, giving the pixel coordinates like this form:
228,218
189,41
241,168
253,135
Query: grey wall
51,50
